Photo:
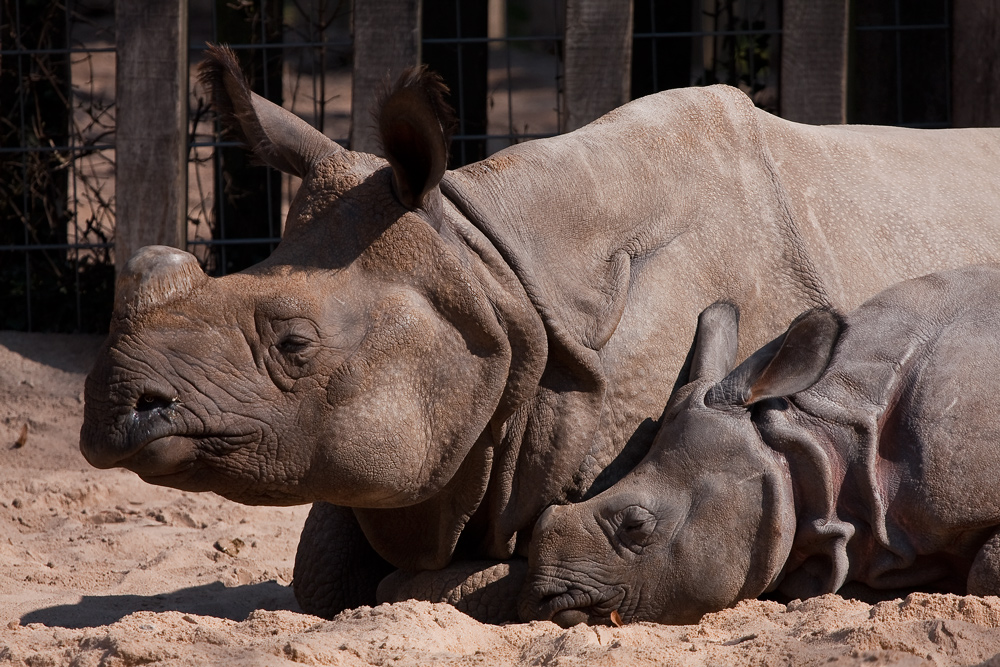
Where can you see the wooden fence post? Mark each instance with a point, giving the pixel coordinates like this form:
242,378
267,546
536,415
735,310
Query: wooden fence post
598,58
151,139
975,73
814,61
386,40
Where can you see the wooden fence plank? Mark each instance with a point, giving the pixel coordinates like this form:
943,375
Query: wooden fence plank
386,40
598,58
151,134
814,61
975,74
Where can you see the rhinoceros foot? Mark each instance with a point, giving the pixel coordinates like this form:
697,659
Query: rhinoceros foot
485,590
984,577
335,567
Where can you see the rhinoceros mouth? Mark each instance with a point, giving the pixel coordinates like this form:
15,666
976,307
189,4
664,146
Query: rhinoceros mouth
567,607
166,457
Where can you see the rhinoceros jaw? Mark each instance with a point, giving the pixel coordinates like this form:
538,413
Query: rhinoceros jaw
155,276
163,457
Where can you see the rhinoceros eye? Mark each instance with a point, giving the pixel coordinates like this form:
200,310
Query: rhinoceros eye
292,344
296,339
635,527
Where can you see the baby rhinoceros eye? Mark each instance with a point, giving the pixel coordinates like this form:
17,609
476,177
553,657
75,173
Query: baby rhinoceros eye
635,527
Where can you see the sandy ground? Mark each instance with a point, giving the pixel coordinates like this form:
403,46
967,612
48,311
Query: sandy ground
99,568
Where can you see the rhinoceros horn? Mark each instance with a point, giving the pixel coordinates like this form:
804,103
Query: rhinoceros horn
155,275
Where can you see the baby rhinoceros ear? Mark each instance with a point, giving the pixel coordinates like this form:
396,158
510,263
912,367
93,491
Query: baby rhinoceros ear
716,341
790,363
415,126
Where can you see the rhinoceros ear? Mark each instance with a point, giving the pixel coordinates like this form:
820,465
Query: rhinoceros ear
155,275
715,342
791,363
276,136
415,126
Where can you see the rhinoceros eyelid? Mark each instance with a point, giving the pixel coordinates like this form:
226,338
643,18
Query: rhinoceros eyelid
293,343
634,517
629,528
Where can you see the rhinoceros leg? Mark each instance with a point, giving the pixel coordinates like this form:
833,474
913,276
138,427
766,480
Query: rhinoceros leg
984,577
335,567
485,590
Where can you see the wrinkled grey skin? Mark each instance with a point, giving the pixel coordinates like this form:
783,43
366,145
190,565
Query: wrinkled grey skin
433,357
861,452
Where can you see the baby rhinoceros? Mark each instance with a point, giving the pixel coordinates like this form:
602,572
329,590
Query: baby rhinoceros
861,449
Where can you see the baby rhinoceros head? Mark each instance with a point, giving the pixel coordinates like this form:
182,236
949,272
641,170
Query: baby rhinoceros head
707,518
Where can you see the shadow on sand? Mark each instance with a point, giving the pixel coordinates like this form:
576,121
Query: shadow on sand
72,353
213,599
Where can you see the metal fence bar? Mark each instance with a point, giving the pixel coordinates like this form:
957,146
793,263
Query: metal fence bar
56,246
491,40
705,33
224,242
507,65
95,148
50,52
901,28
947,70
461,78
268,181
508,135
24,173
899,66
271,46
560,73
72,172
655,52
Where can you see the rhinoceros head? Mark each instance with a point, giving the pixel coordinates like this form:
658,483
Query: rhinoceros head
707,517
358,364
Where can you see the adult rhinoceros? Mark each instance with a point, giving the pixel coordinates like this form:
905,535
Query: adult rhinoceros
450,352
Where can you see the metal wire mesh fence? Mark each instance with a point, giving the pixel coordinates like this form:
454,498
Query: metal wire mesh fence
502,63
901,63
503,75
57,106
56,164
502,60
701,42
296,54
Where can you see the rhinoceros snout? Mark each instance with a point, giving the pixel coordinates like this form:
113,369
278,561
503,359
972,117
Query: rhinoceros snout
549,597
114,440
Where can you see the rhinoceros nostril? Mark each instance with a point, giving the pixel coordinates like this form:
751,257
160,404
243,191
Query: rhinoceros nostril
148,402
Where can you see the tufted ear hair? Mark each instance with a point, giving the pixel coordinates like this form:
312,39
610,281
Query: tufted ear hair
415,126
276,136
792,362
